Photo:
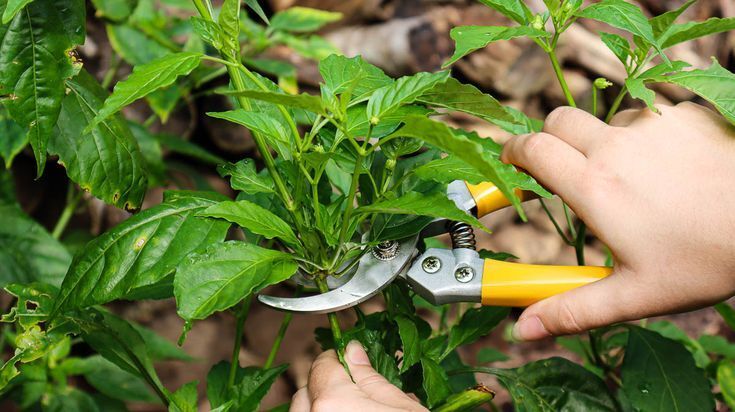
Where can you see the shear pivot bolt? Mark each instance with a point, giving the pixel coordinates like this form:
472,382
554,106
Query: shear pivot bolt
431,264
464,274
386,250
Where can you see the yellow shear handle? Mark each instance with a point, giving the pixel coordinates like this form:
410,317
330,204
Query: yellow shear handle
518,284
489,198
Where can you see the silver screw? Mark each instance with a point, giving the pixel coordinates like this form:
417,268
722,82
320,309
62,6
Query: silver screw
464,274
431,264
386,250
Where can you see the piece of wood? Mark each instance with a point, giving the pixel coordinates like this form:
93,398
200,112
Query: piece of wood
400,46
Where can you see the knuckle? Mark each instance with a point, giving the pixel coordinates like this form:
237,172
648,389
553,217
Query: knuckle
557,116
566,320
532,145
371,380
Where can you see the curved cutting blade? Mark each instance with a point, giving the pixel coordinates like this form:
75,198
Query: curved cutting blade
371,277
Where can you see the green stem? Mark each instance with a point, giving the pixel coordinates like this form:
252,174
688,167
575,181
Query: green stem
560,76
73,197
339,345
579,243
270,164
558,228
111,71
616,104
467,400
281,333
235,360
594,101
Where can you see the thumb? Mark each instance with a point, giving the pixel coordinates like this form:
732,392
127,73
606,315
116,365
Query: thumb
373,383
604,302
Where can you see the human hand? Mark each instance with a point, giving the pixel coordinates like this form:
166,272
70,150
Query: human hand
330,388
657,190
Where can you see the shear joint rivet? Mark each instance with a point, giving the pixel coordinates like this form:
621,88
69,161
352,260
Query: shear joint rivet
431,264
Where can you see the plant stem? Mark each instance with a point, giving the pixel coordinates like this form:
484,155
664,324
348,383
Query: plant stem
339,345
558,228
579,243
111,71
467,400
73,197
594,101
616,104
281,333
560,77
235,360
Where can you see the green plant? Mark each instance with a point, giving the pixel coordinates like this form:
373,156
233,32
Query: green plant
359,164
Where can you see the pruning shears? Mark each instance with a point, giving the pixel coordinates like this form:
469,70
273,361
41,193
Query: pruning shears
447,275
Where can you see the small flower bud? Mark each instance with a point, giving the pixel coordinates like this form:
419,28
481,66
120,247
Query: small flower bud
374,120
390,164
602,83
538,22
319,148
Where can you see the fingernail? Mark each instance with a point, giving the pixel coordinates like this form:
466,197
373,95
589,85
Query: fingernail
530,329
356,354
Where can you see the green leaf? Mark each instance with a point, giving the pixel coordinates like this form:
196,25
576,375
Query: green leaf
659,374
254,218
302,19
268,126
727,312
185,398
115,10
717,345
470,38
114,382
490,355
13,140
221,276
714,84
302,101
671,331
13,7
140,252
622,15
27,251
410,341
243,177
468,149
35,60
435,382
158,347
229,18
679,33
447,170
118,342
514,9
661,23
134,46
618,45
475,323
146,79
638,90
106,161
254,6
726,380
187,148
251,385
466,98
342,74
554,384
414,203
69,399
404,91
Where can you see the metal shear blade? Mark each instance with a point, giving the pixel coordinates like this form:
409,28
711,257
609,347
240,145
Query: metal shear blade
372,276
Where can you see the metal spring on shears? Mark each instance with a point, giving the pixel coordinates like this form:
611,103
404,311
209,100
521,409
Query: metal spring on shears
463,236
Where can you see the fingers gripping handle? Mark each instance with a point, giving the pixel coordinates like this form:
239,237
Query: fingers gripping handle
488,198
518,284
